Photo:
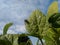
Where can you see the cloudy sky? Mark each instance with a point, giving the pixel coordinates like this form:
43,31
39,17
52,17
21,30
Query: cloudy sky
17,10
59,5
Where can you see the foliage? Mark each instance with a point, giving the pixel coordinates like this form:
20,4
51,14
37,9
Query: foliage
13,39
54,20
36,24
45,27
42,26
6,27
52,31
22,39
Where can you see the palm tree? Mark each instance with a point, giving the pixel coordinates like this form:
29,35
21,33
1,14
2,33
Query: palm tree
44,26
35,24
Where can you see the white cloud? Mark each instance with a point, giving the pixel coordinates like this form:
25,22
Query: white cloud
17,11
11,32
16,30
1,32
20,28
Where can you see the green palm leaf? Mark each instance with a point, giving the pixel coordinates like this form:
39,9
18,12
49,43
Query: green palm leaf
35,24
6,27
53,8
54,20
4,41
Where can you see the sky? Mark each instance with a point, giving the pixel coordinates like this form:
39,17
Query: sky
59,5
17,11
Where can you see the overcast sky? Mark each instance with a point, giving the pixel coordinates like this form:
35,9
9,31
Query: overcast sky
17,10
